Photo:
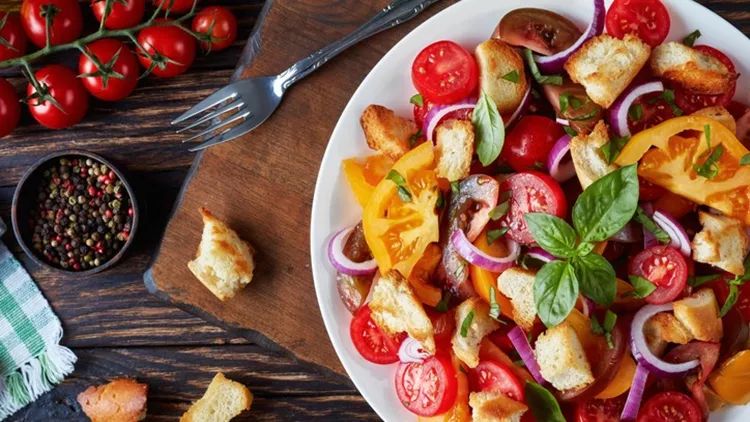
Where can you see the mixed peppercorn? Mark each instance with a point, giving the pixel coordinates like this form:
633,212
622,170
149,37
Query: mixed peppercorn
83,217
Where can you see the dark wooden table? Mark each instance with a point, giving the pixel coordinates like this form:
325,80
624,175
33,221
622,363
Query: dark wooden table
112,324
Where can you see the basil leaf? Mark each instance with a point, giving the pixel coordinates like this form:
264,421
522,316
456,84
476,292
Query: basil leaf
745,161
512,77
668,97
607,205
500,211
494,306
494,234
650,225
564,103
635,112
701,280
466,324
414,138
710,168
596,328
570,131
584,248
596,278
641,287
404,194
734,294
489,128
555,292
612,149
442,306
610,319
440,203
417,100
586,116
396,178
455,187
690,39
542,403
541,79
552,233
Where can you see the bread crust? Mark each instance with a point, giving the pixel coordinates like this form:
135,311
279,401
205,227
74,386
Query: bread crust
497,59
694,70
220,388
122,400
454,149
386,132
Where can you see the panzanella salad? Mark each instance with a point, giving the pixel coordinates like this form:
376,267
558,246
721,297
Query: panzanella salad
560,231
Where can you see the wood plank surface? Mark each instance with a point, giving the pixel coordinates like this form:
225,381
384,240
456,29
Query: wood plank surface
114,326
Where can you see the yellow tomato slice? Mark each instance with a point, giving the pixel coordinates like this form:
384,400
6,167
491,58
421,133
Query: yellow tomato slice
421,273
364,174
732,380
483,279
460,411
622,380
398,231
667,159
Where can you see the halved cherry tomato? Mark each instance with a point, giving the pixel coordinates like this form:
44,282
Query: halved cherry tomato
489,351
721,289
528,145
494,376
648,191
428,388
124,14
10,108
531,191
596,410
654,110
370,341
690,102
444,72
126,65
665,267
670,406
222,24
12,32
67,23
460,411
648,19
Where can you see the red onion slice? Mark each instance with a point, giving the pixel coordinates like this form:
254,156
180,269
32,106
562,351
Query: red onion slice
438,112
540,254
518,112
521,343
555,62
343,264
411,351
676,232
588,306
562,121
559,170
618,113
633,403
476,257
640,348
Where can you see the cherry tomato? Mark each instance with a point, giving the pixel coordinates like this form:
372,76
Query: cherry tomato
428,388
654,111
178,6
122,16
420,113
721,289
648,191
67,22
531,191
126,65
169,43
648,19
10,108
669,406
222,24
12,32
690,102
444,73
370,341
596,410
65,87
490,375
528,145
665,267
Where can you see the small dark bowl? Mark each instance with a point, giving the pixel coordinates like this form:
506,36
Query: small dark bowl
25,198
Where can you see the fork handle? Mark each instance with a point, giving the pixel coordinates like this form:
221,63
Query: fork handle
396,13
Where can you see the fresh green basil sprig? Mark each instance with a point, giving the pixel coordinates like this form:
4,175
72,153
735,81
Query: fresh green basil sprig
489,129
601,211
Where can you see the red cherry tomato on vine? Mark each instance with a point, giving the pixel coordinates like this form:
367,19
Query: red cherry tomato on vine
690,102
12,32
126,65
10,108
173,47
122,16
528,145
67,22
178,6
224,26
63,85
444,72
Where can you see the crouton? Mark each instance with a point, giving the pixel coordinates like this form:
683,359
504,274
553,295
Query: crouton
654,339
561,358
387,133
720,114
605,66
396,309
455,148
122,400
699,313
224,399
669,328
517,285
497,59
697,71
466,343
723,243
588,160
491,406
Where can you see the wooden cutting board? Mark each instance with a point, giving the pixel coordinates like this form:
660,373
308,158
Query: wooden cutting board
262,183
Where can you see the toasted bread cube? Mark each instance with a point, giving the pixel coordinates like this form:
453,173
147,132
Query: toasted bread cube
455,148
561,358
697,71
654,339
605,66
396,309
721,115
586,152
122,400
491,406
387,133
669,328
699,313
224,399
723,243
517,284
497,59
466,347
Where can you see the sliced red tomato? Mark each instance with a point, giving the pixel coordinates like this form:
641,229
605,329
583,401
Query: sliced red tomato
596,410
528,145
690,102
444,73
648,191
670,406
531,191
494,376
653,111
370,341
648,19
428,388
665,267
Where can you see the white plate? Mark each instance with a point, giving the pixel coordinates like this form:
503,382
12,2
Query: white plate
469,23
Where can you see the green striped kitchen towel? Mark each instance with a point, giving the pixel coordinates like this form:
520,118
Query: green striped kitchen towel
32,360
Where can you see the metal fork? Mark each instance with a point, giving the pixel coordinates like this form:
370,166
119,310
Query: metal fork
253,100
